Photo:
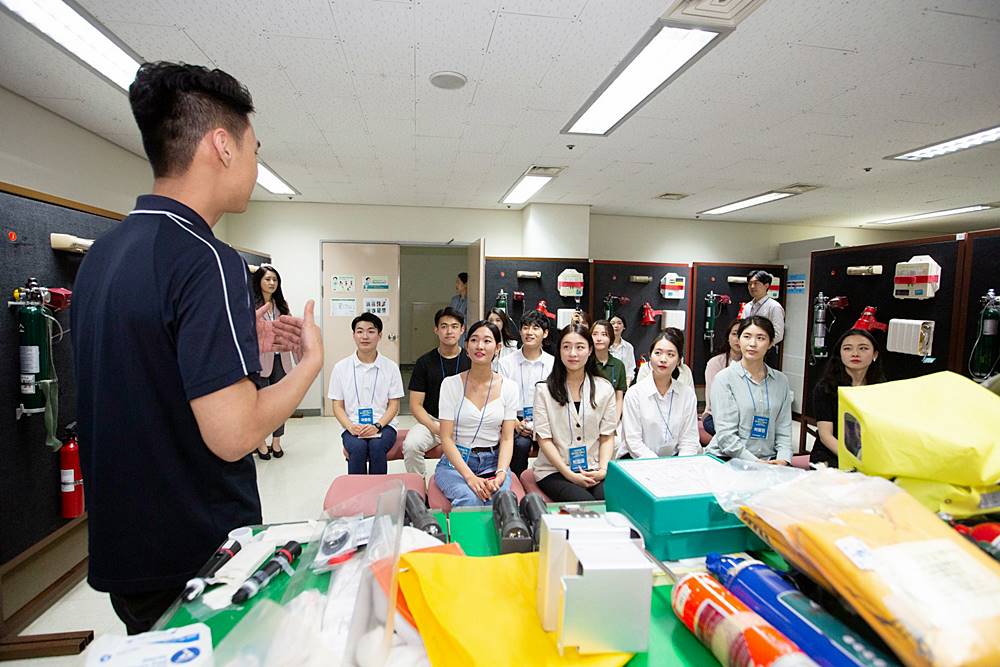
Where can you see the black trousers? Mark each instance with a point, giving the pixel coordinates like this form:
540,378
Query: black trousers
277,374
561,490
519,457
139,611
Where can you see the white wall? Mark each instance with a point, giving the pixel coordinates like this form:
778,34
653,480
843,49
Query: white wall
291,232
555,230
667,240
42,151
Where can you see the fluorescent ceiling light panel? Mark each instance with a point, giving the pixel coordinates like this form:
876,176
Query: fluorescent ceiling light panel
526,188
951,146
66,27
663,54
747,203
270,181
934,214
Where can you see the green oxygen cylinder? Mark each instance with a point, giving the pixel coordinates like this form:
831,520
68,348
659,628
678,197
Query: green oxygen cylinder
35,346
984,352
501,303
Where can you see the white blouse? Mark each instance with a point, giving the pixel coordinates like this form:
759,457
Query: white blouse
568,427
474,427
657,424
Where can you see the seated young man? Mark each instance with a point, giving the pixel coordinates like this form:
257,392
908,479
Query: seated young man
527,367
365,388
431,369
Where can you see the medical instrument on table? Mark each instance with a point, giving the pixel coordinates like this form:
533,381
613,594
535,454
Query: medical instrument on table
418,516
282,560
196,586
512,532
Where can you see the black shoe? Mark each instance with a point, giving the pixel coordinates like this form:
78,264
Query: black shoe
278,453
265,456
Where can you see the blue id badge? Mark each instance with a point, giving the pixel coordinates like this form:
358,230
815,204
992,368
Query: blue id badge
366,416
578,459
529,412
466,452
759,428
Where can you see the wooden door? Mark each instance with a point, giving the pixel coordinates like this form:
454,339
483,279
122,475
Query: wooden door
357,277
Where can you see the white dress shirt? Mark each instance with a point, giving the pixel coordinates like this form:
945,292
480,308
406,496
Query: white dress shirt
361,385
527,373
772,310
625,353
657,424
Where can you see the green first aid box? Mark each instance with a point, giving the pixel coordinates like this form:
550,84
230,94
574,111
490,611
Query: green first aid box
670,501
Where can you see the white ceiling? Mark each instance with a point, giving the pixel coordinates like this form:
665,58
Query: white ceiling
814,92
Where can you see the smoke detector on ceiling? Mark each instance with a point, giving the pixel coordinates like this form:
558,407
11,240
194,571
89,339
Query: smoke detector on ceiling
671,196
448,80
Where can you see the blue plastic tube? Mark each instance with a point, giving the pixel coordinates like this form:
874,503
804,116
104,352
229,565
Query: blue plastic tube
820,636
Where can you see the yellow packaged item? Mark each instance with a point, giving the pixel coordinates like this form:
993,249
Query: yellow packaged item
940,427
957,501
481,612
933,596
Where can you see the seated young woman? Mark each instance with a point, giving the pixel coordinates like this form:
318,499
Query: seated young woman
855,363
728,354
508,336
575,420
661,415
608,366
477,410
752,402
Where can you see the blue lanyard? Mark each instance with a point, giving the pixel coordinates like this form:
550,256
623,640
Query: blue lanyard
482,413
458,364
357,394
583,414
767,395
670,410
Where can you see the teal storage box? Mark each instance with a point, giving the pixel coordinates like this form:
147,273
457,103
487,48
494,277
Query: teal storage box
670,502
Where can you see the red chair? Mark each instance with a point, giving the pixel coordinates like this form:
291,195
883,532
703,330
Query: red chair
801,461
530,484
438,501
358,494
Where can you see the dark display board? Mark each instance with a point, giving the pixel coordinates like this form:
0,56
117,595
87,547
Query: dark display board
613,277
714,277
829,275
982,272
501,272
29,471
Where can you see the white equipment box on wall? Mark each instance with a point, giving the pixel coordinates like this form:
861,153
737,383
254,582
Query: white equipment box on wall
910,337
672,286
919,278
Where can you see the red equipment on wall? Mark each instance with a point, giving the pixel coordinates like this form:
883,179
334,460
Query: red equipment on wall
70,477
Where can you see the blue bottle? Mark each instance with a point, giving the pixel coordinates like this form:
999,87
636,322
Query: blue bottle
822,637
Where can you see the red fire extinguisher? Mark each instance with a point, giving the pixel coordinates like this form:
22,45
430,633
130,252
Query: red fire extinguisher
71,479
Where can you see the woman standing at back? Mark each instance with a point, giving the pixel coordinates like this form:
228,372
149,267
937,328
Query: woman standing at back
273,365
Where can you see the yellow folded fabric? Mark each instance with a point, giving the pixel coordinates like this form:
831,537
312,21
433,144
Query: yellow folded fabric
932,595
940,427
959,501
481,612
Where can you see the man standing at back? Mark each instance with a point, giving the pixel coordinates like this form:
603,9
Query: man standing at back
164,340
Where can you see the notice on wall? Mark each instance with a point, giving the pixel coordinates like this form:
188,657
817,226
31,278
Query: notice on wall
375,283
797,283
343,307
377,305
342,283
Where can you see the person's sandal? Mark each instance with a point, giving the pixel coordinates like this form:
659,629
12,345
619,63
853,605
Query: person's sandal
264,456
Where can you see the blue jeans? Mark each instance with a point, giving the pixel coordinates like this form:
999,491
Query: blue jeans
454,486
366,456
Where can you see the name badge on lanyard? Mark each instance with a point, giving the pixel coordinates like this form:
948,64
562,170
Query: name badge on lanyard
761,423
578,458
465,452
529,412
758,430
366,416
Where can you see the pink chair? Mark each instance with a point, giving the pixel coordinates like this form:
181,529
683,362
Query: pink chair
801,461
530,484
358,494
438,501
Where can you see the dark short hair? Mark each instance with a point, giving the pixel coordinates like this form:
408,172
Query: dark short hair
464,277
367,317
761,275
481,324
759,321
607,328
448,311
536,318
176,104
557,378
622,318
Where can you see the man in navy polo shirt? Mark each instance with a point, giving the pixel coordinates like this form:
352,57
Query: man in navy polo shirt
165,340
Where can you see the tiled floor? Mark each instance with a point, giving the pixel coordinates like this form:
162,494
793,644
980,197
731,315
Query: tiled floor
291,489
